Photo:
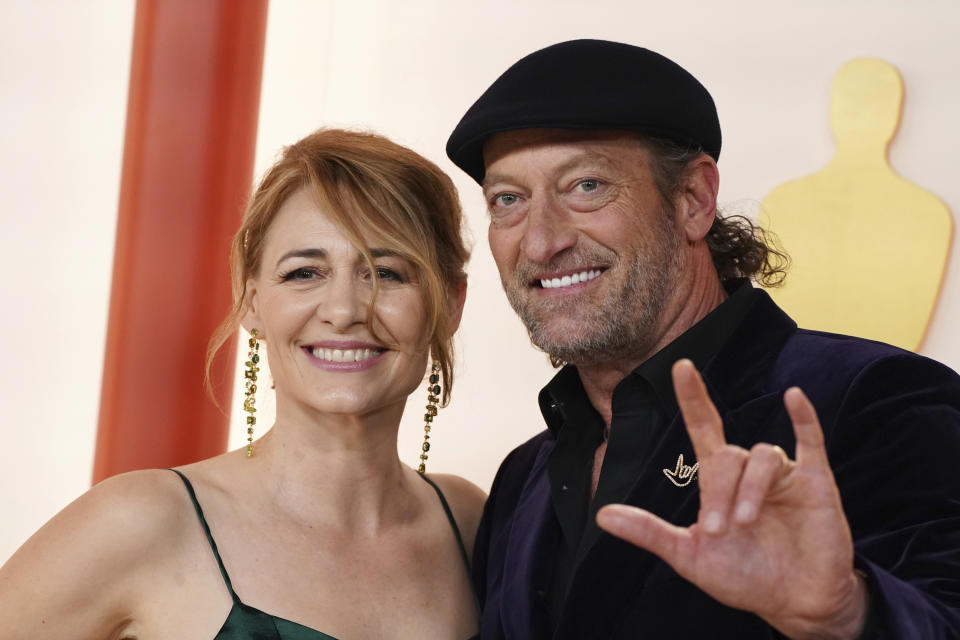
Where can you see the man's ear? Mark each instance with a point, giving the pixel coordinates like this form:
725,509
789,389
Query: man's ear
697,203
456,296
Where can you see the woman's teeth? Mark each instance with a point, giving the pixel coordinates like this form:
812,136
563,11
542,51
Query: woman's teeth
344,355
566,281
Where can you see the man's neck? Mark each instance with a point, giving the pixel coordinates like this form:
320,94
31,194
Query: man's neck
690,306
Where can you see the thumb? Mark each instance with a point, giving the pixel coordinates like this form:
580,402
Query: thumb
647,531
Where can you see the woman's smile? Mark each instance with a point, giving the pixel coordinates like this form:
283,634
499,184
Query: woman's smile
339,355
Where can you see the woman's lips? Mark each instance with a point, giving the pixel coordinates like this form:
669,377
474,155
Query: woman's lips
344,356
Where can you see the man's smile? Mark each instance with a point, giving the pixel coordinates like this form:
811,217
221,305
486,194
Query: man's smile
561,282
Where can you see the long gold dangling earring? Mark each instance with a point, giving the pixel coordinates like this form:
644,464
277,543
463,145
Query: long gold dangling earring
433,397
250,375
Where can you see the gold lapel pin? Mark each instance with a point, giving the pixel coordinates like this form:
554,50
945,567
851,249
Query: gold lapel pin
683,475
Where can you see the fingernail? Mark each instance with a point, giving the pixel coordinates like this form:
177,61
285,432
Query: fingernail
713,522
745,512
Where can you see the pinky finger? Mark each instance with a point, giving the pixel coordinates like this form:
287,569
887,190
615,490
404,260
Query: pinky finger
811,451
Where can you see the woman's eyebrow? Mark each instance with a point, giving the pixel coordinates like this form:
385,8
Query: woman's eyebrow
303,253
320,254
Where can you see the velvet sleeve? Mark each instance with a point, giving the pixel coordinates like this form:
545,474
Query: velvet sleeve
895,452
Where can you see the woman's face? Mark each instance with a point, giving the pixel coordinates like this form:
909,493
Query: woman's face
310,303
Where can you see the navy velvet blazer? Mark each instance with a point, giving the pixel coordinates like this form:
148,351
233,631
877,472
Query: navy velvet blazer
892,426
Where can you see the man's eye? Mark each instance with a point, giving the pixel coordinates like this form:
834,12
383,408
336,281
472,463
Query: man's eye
505,199
588,185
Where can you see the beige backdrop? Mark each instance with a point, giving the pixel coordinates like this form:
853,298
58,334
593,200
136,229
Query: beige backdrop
407,70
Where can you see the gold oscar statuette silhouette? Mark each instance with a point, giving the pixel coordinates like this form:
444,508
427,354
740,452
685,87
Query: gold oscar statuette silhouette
868,248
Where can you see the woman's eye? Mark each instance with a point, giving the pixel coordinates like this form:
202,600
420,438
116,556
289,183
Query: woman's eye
303,273
386,273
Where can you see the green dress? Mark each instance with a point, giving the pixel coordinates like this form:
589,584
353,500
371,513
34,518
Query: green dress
247,623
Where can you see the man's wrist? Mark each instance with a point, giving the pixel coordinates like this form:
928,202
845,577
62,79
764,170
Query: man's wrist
847,623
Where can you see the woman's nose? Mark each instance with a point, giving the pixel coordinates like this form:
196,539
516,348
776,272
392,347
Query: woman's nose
344,302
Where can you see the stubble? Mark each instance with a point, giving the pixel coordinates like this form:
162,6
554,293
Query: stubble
617,320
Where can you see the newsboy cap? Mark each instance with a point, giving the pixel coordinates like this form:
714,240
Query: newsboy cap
589,84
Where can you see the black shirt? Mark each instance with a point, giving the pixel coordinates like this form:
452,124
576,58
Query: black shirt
643,405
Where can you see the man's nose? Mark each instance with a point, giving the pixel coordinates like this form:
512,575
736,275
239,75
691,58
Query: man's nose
549,230
344,302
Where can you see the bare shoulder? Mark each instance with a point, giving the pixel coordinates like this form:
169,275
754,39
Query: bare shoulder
132,509
127,512
76,576
466,501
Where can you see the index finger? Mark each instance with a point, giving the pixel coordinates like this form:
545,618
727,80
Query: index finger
699,414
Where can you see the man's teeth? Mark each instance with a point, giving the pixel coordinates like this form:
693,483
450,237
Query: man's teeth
345,355
566,281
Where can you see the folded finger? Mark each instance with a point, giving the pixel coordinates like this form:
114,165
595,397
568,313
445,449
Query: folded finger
764,466
719,478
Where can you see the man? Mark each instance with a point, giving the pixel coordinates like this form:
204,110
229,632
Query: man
831,512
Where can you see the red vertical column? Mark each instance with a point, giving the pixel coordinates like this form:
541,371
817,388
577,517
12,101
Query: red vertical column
187,170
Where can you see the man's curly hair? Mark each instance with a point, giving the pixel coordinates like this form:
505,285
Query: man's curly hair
740,248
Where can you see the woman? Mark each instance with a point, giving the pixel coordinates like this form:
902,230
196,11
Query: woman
348,269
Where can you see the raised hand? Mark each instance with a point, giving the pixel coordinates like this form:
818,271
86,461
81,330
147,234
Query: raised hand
771,536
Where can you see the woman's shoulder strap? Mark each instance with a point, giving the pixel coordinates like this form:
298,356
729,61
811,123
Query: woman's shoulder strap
206,531
456,532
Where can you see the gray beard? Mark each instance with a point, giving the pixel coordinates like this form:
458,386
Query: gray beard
613,328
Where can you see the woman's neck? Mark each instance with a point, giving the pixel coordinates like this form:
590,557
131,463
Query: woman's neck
335,469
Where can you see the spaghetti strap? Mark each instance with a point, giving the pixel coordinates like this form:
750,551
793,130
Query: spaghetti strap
206,530
456,533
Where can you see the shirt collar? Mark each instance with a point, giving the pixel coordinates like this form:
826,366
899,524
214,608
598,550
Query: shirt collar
564,393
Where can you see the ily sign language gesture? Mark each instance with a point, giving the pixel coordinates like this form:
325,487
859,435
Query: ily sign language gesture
771,536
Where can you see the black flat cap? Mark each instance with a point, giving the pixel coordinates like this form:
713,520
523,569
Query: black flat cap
589,84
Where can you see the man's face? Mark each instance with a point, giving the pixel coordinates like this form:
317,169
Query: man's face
587,249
